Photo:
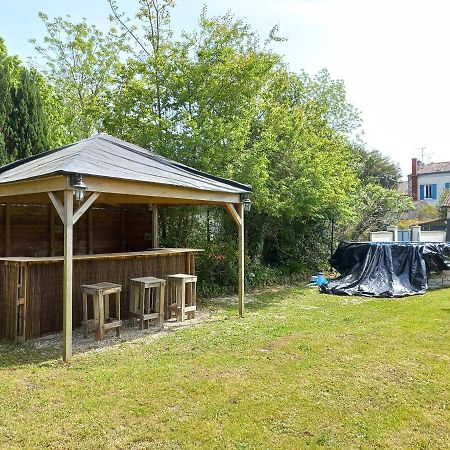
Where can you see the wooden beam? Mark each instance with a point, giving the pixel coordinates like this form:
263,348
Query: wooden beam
155,226
58,205
57,183
233,213
85,206
162,191
241,287
68,273
7,230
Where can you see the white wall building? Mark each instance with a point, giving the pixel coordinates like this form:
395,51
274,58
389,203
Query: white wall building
427,181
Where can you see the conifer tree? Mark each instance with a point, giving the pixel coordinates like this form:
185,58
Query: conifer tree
5,105
23,131
29,133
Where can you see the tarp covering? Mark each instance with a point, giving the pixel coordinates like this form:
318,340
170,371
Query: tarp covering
379,269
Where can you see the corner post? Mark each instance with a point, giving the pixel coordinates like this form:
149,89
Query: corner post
155,227
68,274
241,287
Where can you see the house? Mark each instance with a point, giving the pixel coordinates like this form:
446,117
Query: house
427,181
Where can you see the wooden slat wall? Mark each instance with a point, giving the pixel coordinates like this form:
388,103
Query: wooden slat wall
114,230
2,229
44,306
9,276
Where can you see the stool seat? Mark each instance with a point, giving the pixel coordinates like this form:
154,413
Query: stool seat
147,300
102,320
181,289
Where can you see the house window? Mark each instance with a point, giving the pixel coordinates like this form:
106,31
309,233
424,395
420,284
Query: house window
428,192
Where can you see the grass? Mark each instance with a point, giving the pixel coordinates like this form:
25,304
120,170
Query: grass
302,370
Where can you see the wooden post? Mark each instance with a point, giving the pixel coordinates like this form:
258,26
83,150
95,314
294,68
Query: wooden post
155,227
52,231
240,207
7,230
90,232
68,272
238,217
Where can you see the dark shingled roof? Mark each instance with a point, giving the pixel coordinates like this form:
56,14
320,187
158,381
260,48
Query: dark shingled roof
106,156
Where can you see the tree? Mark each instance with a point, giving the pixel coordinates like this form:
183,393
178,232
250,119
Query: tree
376,208
377,168
80,62
5,104
29,132
22,122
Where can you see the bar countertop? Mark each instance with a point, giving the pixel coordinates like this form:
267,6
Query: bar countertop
97,256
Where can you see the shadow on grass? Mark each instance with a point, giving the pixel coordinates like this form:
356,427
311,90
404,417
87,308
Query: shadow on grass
257,300
14,356
47,350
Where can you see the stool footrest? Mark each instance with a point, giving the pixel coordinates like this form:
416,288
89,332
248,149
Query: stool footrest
113,324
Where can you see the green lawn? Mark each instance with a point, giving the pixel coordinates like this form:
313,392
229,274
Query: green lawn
301,370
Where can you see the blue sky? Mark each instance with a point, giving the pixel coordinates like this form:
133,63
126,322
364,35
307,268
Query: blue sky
391,54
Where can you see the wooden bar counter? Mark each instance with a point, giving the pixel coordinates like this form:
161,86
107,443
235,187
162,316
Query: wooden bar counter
31,288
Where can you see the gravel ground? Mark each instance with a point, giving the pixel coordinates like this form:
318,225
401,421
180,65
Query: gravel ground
128,333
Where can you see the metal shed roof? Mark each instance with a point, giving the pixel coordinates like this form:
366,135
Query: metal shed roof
106,156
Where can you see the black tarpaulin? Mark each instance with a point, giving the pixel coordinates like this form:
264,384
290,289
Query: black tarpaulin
379,269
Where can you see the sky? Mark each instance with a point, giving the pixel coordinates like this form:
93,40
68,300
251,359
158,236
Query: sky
393,55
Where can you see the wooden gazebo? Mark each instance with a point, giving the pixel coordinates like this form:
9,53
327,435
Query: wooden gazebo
119,186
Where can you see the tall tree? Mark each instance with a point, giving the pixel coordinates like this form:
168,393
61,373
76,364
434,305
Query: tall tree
377,168
29,132
5,105
22,123
80,61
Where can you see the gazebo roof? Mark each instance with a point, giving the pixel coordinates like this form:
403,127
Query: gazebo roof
106,156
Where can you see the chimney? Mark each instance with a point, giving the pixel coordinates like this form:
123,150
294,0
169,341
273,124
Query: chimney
414,179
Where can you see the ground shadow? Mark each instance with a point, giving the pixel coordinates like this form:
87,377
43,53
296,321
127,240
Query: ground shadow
48,349
257,300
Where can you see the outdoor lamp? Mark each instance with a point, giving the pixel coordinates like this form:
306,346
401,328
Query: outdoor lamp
76,181
245,199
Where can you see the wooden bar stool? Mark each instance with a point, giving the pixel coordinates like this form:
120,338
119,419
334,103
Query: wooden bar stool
147,300
181,289
102,321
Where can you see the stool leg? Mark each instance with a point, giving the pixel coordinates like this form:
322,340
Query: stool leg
141,305
161,305
101,309
107,316
194,297
183,300
85,316
147,295
167,311
96,316
118,313
134,303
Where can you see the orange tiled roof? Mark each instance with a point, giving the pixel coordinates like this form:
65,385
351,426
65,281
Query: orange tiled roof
434,167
